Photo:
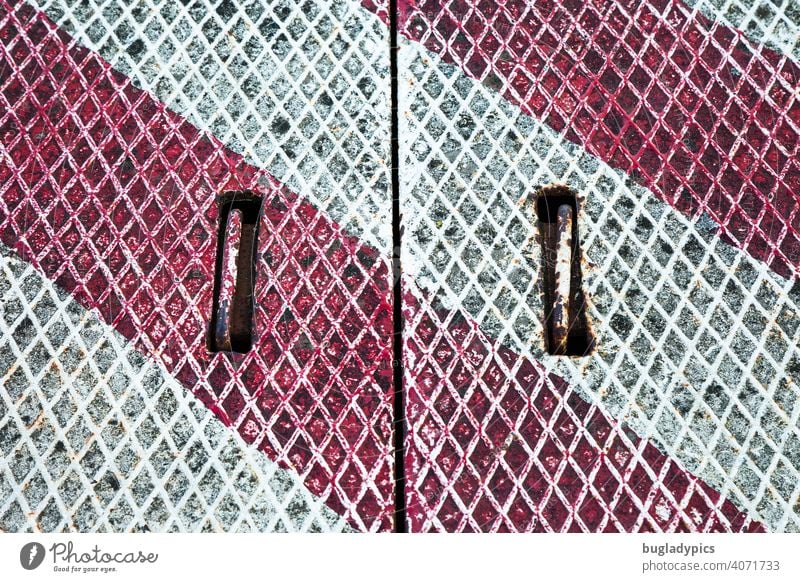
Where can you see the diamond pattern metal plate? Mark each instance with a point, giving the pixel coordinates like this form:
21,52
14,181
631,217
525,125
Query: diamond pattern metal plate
697,339
775,23
676,123
297,88
98,437
687,107
112,196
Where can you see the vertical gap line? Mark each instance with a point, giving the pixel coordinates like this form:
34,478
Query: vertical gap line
399,433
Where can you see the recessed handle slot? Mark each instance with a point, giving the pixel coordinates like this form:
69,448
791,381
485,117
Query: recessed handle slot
567,331
231,327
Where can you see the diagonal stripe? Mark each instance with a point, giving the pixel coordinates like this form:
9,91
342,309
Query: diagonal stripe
697,342
681,103
495,443
775,23
113,198
98,437
294,87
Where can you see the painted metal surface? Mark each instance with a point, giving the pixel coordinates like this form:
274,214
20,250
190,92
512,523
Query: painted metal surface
676,124
111,194
680,137
96,436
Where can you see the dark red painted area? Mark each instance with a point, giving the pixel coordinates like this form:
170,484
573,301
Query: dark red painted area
684,105
112,196
496,444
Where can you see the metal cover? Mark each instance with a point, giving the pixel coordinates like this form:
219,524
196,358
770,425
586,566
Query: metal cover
676,124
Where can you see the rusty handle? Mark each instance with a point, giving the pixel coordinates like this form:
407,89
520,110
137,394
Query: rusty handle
562,286
567,331
231,328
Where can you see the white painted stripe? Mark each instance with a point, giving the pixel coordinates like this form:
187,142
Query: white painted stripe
773,23
697,342
97,437
296,87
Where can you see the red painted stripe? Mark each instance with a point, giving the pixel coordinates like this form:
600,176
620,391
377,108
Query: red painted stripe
112,196
496,444
684,105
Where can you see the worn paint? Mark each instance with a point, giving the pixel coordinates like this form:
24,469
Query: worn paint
696,342
654,89
97,436
502,436
113,197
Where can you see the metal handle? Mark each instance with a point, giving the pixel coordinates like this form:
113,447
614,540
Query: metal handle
231,328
